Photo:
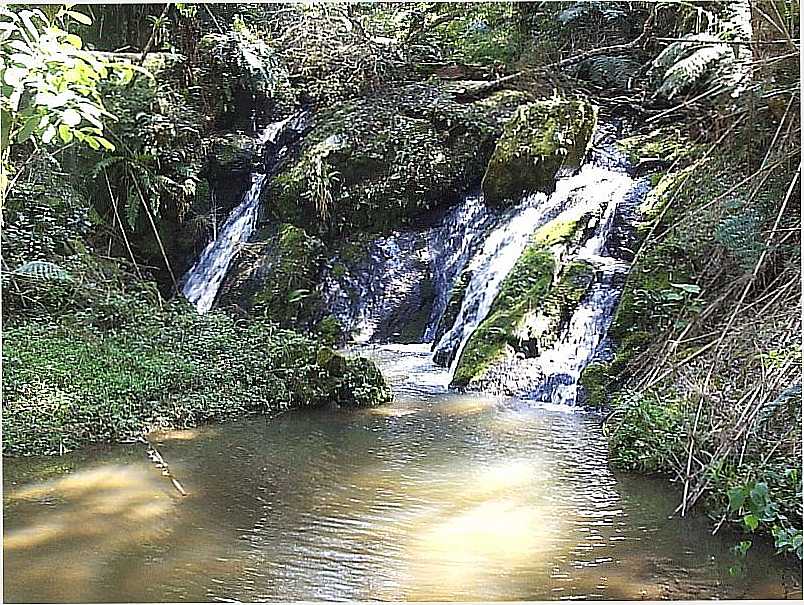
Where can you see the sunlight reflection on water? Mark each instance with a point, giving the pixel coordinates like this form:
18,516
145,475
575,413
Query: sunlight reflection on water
438,496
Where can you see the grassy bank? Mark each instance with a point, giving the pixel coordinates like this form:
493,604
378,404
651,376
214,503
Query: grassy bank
67,384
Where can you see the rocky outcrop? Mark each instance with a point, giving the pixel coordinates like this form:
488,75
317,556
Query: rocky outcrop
535,300
378,163
541,141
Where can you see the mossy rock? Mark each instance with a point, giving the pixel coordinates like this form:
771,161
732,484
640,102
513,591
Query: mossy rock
534,299
541,141
377,163
447,320
277,278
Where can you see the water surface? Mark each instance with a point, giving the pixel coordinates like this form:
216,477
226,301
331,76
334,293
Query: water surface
439,496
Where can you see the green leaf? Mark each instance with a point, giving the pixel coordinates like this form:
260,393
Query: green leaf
751,522
736,498
26,19
73,40
65,133
27,128
689,288
105,143
5,129
49,134
759,494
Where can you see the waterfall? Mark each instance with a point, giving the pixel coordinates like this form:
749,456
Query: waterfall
205,277
559,368
451,272
602,188
202,282
453,243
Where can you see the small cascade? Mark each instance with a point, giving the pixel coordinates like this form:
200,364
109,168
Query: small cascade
202,282
407,276
453,243
580,343
497,256
205,277
586,191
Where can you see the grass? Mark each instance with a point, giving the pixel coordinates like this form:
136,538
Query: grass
67,385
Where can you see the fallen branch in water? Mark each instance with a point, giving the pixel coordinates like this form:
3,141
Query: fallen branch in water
157,459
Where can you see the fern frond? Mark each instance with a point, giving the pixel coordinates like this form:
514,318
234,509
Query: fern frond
43,270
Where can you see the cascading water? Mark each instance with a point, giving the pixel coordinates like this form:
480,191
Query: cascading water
560,367
205,277
454,242
482,245
202,282
607,191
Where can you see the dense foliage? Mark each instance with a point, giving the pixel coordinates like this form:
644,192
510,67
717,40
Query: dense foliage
169,369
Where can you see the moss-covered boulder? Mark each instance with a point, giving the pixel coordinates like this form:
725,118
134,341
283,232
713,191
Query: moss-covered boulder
536,298
541,141
377,163
276,277
357,379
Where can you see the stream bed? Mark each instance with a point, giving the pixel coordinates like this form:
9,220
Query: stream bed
438,496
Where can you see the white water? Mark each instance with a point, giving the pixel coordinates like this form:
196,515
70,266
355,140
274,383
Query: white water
204,279
574,196
453,243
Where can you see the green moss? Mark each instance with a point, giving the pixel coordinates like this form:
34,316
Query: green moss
541,140
667,143
522,289
594,381
375,163
288,276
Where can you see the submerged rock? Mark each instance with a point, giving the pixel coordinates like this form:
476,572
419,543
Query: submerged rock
541,141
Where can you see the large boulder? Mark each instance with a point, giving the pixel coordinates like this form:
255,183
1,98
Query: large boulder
541,141
378,163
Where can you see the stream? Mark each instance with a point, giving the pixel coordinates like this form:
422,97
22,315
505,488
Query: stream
438,496
441,495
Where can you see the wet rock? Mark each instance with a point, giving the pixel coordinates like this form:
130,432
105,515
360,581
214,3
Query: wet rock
376,163
276,277
694,65
441,356
535,298
381,290
609,71
541,141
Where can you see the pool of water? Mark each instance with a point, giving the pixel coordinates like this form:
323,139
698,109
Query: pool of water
438,496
